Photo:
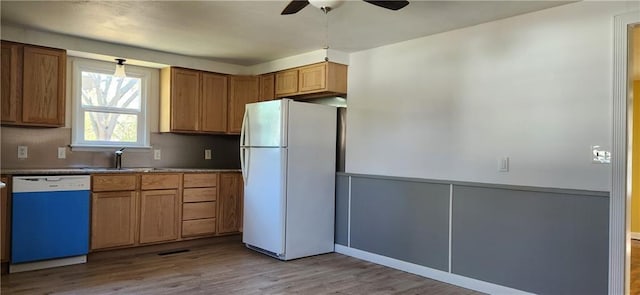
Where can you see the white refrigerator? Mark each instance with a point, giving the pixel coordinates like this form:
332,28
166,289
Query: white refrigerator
288,154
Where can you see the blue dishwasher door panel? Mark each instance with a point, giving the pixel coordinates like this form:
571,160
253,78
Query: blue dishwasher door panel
48,225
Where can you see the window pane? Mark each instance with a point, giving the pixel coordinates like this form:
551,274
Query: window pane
104,90
99,126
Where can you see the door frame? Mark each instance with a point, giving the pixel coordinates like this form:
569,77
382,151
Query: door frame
620,201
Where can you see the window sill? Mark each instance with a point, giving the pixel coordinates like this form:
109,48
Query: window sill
108,148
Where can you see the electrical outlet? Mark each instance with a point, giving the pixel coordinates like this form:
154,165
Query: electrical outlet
207,154
62,152
157,154
503,164
23,152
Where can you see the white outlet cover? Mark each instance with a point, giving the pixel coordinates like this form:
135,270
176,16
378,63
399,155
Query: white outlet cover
23,152
207,154
62,152
157,154
503,164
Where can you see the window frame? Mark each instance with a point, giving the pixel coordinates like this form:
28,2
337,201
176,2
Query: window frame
78,111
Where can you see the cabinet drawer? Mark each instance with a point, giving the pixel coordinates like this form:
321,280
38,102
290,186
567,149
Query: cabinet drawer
160,181
191,195
112,183
201,180
198,227
198,210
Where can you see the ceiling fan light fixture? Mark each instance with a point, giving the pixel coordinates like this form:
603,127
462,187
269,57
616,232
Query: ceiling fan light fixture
119,72
331,4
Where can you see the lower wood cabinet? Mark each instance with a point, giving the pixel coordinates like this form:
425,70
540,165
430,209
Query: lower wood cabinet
198,227
138,209
159,215
199,199
113,219
230,203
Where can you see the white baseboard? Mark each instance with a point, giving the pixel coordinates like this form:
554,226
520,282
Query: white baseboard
28,266
427,272
635,236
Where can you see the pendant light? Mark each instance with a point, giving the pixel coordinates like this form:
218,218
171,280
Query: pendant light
120,68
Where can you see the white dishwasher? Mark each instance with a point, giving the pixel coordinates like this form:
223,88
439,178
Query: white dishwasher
49,221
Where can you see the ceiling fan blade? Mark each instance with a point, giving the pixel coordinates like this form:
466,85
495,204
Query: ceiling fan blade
393,5
294,6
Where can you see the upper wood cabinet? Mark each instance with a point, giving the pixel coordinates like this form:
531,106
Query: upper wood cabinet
11,81
267,87
286,82
312,81
242,90
33,85
213,113
192,101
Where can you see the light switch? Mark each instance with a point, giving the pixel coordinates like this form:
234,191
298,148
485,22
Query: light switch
157,154
207,154
62,152
23,152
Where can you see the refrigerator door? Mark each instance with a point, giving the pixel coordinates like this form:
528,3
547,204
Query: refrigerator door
264,124
264,198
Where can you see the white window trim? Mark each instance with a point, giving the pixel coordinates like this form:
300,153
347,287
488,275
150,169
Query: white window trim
148,78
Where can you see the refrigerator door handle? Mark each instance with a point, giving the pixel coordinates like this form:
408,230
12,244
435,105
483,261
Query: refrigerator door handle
243,162
244,130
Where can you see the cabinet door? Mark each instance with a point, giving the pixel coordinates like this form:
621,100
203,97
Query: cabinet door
229,203
286,82
267,87
4,223
185,97
242,90
312,78
113,219
43,88
159,216
213,115
11,82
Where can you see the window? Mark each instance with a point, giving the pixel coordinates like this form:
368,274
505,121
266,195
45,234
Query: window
109,111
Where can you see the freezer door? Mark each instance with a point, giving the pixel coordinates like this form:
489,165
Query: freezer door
264,198
264,124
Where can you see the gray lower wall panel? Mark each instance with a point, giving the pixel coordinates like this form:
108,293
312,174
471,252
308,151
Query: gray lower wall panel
342,210
538,242
403,220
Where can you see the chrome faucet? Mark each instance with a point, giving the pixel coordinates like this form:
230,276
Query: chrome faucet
119,158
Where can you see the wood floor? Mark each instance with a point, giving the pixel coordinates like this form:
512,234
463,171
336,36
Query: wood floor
635,267
223,268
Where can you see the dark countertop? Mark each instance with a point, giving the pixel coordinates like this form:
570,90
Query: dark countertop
79,171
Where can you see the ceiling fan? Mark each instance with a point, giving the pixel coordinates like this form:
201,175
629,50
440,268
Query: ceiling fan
326,5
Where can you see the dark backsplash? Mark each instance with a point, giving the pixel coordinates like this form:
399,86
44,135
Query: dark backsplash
178,151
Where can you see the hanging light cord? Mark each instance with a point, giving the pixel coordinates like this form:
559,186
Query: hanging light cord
326,31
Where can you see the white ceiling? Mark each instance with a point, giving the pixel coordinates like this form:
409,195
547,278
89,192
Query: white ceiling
252,32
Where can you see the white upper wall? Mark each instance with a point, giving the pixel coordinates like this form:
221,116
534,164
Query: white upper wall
105,51
535,88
